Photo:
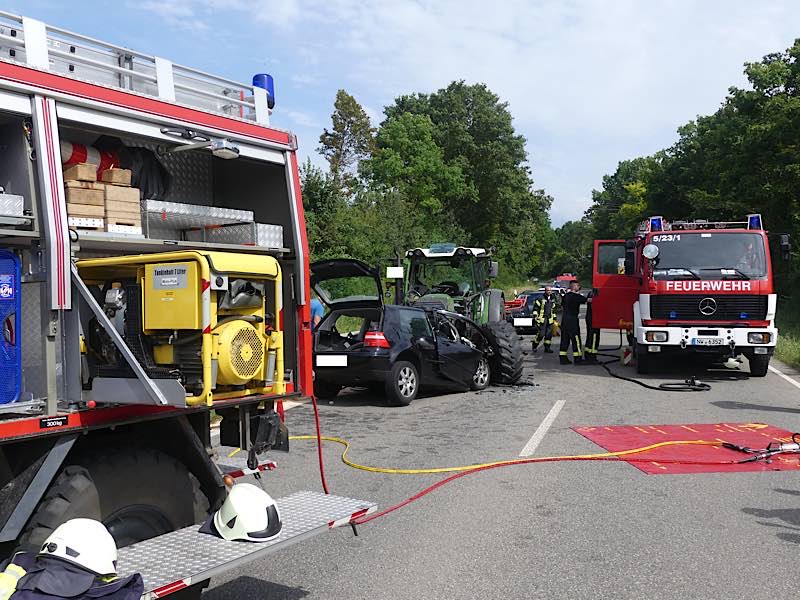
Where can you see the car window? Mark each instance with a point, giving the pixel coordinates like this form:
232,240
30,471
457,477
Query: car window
414,323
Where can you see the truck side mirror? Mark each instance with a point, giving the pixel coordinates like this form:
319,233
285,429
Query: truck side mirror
786,247
494,268
630,262
630,245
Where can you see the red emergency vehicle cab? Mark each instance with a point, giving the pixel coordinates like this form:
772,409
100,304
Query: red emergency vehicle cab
696,287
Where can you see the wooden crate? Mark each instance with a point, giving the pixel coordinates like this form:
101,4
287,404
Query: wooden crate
86,185
85,210
114,206
81,172
129,219
116,176
117,193
82,195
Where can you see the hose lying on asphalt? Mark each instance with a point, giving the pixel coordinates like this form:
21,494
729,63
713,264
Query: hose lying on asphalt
688,385
621,456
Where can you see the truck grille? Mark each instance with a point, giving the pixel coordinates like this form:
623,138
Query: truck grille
728,308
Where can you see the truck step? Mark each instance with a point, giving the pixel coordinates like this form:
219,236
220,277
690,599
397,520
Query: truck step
174,561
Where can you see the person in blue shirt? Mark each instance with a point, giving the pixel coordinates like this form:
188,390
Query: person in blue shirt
317,310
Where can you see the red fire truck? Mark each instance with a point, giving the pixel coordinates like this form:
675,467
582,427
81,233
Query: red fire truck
701,287
134,307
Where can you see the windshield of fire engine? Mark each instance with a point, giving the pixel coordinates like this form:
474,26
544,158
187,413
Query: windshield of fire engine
712,255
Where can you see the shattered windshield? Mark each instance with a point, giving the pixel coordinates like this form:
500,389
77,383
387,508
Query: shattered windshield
712,255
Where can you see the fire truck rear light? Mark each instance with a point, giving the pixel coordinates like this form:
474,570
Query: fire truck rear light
759,338
656,336
654,348
376,339
761,350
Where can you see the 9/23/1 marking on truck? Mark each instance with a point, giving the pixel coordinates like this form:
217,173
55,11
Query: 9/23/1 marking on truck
51,422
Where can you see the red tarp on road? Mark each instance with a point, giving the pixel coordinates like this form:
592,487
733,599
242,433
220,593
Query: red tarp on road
754,435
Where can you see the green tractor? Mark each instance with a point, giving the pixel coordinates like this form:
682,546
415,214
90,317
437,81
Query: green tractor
458,279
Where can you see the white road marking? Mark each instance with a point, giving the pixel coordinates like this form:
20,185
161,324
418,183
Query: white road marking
794,382
541,431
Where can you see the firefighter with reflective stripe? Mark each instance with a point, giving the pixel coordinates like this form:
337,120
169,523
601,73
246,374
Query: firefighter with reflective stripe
544,316
592,335
570,326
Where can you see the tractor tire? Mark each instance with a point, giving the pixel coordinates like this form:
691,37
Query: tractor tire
506,365
759,365
137,493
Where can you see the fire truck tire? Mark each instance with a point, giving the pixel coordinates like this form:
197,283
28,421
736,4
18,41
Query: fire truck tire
643,365
759,365
506,365
138,493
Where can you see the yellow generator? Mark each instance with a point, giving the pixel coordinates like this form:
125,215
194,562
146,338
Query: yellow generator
208,319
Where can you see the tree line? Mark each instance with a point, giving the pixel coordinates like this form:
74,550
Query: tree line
449,166
440,167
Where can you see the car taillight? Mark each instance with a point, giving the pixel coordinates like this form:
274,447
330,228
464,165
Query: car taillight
376,339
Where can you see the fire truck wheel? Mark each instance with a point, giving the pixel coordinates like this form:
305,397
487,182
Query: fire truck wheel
138,493
759,364
506,364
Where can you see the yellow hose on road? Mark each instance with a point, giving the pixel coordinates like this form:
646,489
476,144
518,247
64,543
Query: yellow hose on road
512,461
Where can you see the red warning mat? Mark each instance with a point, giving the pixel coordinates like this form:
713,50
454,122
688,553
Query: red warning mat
753,435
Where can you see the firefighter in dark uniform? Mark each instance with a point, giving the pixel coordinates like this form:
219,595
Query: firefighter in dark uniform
544,317
592,335
570,326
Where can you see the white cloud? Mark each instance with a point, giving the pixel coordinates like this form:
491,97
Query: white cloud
589,82
302,119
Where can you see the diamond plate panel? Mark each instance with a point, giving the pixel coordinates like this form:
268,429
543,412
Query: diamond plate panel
175,215
251,234
33,382
189,553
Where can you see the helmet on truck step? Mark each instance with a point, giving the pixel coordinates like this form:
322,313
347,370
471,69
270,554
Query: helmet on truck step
248,513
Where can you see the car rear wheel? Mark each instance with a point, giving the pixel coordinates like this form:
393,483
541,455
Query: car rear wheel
482,376
402,385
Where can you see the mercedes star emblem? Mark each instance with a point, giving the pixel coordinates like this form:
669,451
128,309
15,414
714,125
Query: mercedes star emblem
707,306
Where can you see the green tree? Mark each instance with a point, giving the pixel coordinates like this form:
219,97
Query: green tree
475,131
350,139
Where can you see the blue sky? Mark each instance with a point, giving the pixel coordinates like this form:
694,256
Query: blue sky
589,82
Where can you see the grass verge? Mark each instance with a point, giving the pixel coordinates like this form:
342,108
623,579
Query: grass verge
788,349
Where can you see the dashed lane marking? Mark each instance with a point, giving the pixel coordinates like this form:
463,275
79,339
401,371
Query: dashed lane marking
541,431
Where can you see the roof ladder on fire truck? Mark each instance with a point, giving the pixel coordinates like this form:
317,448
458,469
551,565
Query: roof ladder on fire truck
61,52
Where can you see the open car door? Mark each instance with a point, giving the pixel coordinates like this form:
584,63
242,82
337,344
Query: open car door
613,292
458,357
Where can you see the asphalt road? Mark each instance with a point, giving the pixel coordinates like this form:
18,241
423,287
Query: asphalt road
555,530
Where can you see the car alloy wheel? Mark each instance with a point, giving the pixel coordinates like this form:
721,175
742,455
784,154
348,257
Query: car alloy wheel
481,376
407,382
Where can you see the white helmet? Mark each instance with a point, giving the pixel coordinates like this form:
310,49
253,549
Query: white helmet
83,542
248,513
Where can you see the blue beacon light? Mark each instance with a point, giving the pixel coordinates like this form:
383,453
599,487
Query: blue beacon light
754,222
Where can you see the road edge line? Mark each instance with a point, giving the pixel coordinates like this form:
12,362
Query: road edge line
784,376
541,431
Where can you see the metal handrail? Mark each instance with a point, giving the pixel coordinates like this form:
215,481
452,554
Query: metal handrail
89,61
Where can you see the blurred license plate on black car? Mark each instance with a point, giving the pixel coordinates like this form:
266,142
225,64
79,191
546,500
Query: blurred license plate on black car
710,341
332,360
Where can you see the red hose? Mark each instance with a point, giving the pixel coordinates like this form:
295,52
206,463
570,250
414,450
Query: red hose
524,461
319,445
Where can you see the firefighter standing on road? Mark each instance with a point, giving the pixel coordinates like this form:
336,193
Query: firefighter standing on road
544,315
570,326
592,335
